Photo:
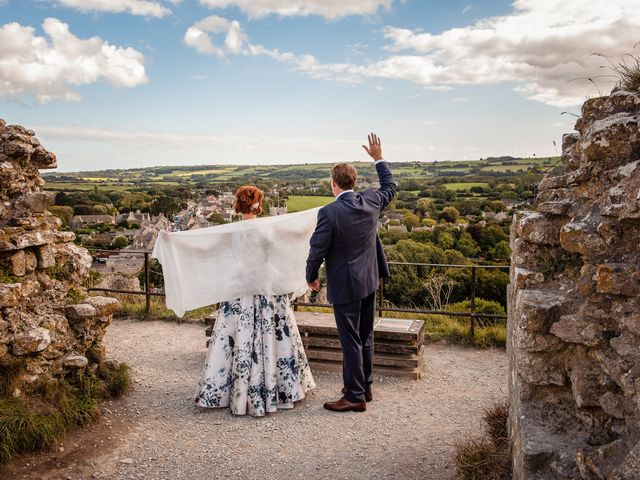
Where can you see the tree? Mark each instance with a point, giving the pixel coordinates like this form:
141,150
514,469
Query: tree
100,210
64,213
410,220
501,251
402,288
446,241
450,214
420,253
120,242
135,201
216,218
424,207
467,245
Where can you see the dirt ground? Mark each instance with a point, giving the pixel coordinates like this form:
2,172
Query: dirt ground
155,431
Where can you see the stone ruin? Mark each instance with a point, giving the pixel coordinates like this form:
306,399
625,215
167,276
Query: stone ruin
42,271
574,306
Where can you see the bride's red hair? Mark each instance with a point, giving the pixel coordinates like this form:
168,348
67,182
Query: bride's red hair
249,200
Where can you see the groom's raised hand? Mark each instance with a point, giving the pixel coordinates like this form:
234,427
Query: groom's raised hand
375,148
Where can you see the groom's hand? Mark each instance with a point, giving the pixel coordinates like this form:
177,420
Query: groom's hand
375,149
315,285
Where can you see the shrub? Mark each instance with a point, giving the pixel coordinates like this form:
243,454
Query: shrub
53,407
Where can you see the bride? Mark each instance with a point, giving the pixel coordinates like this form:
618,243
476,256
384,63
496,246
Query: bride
256,362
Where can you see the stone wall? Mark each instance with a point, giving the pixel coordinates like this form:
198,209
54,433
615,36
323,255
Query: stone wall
574,306
41,272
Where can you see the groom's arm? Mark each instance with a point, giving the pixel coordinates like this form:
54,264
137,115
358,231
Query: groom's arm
319,245
387,182
388,185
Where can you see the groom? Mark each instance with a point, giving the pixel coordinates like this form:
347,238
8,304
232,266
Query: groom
346,239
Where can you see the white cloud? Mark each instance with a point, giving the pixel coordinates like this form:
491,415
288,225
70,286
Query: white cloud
197,36
541,46
145,8
459,99
330,9
467,9
49,68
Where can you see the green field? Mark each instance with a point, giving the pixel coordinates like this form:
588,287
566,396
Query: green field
200,172
297,203
465,185
85,186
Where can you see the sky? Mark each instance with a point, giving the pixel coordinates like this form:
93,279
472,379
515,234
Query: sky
133,83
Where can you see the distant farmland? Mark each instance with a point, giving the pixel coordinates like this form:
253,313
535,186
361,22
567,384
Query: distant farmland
297,203
465,185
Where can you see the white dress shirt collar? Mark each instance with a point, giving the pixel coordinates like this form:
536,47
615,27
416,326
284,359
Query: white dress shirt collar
342,193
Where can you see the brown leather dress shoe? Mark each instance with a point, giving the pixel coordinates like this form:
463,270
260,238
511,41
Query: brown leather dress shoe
368,396
344,405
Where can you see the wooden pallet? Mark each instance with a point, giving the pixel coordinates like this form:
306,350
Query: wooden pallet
398,347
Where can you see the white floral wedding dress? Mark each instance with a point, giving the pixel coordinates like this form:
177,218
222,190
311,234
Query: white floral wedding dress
256,362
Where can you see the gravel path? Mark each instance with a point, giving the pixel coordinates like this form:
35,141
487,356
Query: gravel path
155,432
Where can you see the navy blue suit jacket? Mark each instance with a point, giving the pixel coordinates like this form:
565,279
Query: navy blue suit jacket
346,239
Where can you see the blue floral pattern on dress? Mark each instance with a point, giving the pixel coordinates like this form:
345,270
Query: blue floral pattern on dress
256,362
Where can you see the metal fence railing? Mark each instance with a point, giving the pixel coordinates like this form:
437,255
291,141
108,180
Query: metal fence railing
472,314
102,253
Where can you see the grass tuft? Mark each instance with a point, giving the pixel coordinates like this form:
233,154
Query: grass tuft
53,407
495,418
134,306
479,459
486,457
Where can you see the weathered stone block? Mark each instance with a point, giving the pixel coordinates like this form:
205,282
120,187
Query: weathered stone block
32,341
559,208
618,279
75,361
18,263
612,404
34,202
575,328
103,305
569,158
581,237
536,310
588,380
527,278
626,345
610,141
536,228
539,369
45,256
81,311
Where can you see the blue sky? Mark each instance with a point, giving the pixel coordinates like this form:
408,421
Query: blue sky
127,83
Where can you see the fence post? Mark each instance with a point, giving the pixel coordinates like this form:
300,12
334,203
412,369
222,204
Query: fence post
147,284
472,306
381,297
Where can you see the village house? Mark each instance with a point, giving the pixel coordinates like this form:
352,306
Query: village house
81,221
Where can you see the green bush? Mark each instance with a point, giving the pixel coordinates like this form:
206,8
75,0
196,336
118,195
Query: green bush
482,306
